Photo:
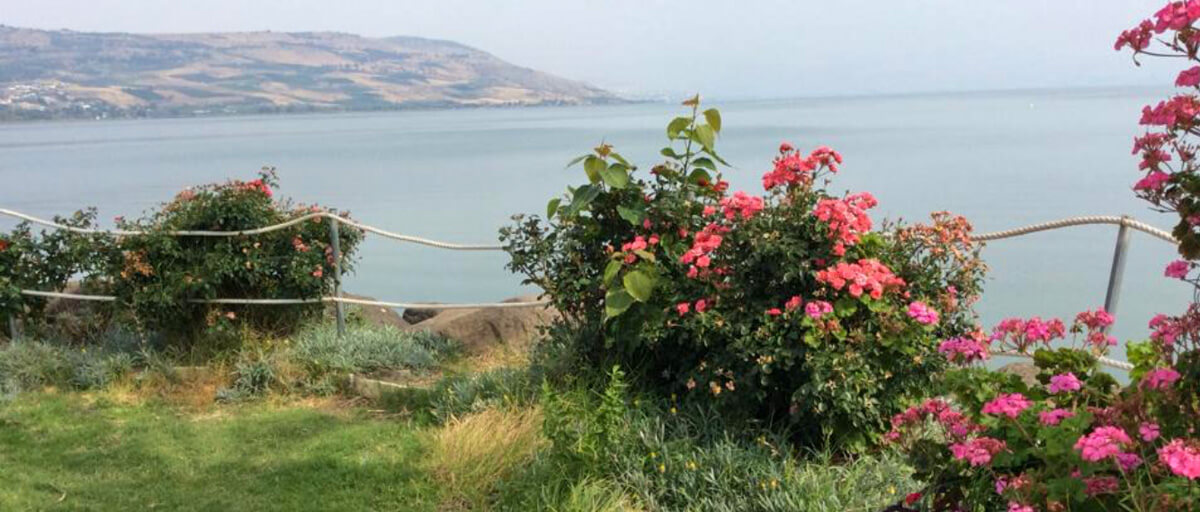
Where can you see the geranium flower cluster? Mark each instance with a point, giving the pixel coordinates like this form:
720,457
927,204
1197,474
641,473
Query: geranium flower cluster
923,314
867,275
1093,325
953,423
963,350
1021,335
792,168
977,451
847,219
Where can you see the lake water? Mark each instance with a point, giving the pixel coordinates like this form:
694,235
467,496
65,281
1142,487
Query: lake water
1002,159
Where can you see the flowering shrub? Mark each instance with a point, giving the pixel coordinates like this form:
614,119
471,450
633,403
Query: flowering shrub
784,307
158,274
154,276
45,261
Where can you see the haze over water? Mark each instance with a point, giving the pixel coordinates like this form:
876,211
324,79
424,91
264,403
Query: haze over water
1002,159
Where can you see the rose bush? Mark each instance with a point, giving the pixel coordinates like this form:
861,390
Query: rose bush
1077,440
787,307
157,276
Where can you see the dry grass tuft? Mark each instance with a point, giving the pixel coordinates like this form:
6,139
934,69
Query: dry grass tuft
471,454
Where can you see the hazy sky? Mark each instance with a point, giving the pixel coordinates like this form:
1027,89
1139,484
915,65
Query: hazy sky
725,48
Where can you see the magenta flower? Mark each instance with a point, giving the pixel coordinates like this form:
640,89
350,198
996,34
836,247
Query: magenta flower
923,314
818,308
963,350
1178,269
1102,443
978,451
1189,77
1148,431
1160,378
1007,404
1054,417
1064,383
1181,458
1017,507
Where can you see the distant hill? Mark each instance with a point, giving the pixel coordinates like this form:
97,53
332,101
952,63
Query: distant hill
66,74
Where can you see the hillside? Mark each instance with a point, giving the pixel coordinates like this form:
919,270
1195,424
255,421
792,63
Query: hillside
67,74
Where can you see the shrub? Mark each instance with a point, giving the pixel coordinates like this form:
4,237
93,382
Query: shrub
785,308
158,275
45,261
465,394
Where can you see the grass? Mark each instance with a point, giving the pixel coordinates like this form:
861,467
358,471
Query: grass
472,453
95,451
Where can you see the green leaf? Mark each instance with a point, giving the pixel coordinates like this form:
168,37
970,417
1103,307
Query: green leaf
583,196
632,215
845,307
593,165
639,285
646,255
575,161
714,119
616,302
552,207
677,125
611,270
706,136
615,175
622,160
700,174
670,153
704,163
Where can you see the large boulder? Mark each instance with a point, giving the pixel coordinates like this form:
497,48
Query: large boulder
480,329
375,315
418,315
1025,370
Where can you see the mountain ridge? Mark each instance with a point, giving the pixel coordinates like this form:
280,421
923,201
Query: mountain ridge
68,74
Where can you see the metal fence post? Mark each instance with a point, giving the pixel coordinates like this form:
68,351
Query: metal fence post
1117,272
13,332
335,245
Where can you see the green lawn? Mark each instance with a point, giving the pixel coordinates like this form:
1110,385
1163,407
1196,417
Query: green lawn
67,451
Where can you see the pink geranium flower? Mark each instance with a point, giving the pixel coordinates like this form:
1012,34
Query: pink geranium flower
922,314
1181,458
978,451
1160,378
1177,269
1064,383
1102,443
1007,404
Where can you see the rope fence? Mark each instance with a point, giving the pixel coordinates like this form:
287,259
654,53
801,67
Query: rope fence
1110,302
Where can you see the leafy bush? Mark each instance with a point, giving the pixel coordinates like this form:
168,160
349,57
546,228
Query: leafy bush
46,261
30,365
366,349
785,308
157,275
465,394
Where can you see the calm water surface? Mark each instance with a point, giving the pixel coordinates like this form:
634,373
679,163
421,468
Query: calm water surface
1002,159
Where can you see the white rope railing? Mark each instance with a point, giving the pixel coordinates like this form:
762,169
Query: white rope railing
258,231
283,302
1112,363
1078,221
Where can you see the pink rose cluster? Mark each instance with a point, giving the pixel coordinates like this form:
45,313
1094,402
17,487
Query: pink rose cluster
847,219
792,168
741,204
864,276
704,242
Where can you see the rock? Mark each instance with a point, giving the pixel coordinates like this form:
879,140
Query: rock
480,329
374,315
1026,371
418,315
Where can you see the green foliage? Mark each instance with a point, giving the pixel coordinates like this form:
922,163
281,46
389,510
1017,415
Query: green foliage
159,277
367,348
46,261
623,260
464,394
